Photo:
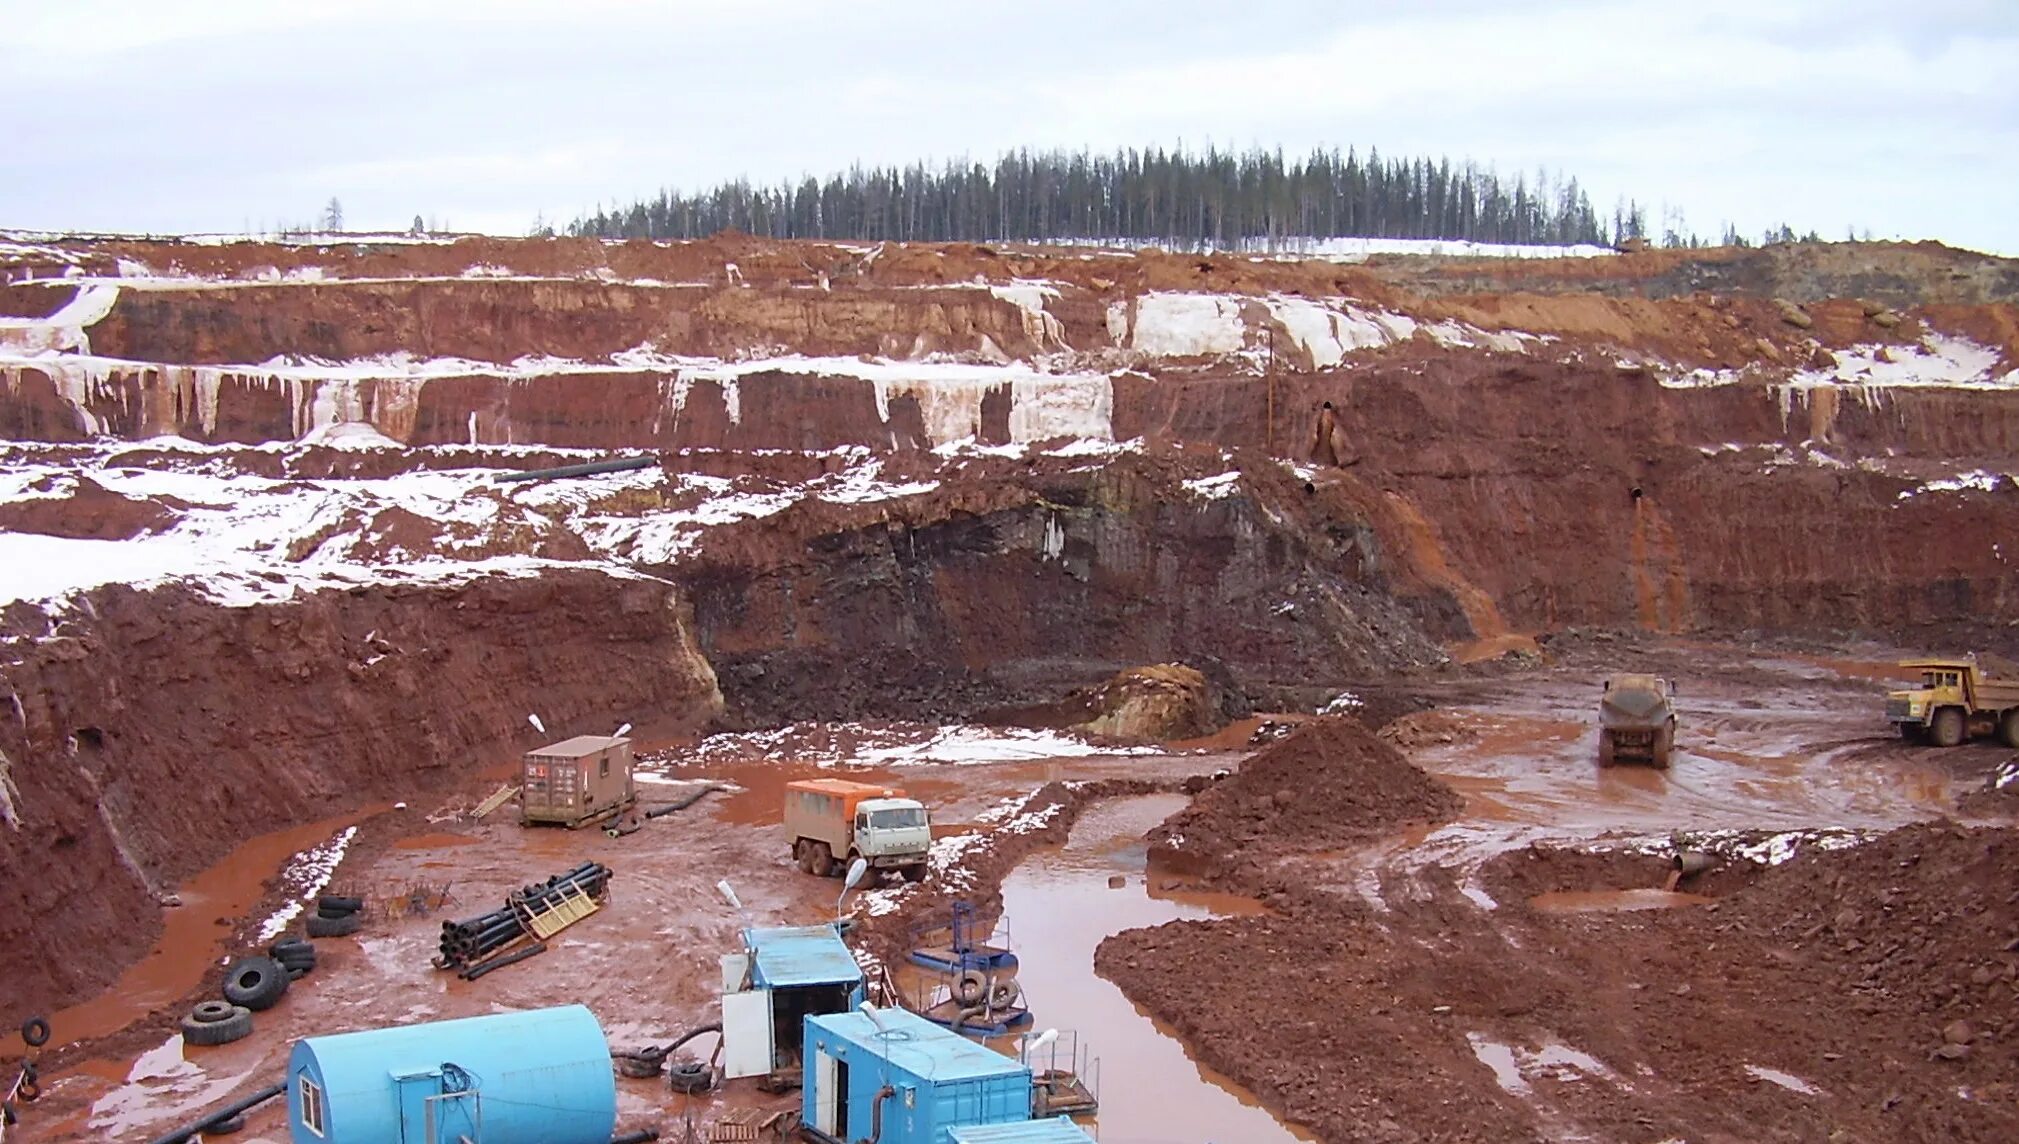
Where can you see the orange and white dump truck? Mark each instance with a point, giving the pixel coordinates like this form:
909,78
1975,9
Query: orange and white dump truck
832,822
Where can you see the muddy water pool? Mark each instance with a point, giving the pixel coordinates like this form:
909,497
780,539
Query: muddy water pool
1057,907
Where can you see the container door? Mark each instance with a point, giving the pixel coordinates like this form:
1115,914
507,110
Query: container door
415,1091
746,1033
826,1093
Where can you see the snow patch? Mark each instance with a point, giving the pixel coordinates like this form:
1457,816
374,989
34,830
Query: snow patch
305,876
1788,1081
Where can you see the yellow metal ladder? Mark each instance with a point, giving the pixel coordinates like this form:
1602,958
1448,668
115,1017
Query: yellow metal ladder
570,905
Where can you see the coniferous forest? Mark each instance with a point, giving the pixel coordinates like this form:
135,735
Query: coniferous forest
1217,199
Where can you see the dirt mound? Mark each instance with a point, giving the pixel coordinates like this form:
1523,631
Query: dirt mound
1854,995
89,511
1923,921
1163,702
1328,784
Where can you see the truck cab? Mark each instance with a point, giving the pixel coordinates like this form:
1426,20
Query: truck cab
1954,701
832,822
892,831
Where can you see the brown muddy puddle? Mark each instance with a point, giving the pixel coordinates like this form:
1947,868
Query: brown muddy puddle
192,940
1057,907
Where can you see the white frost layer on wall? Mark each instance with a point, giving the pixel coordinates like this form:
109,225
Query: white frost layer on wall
1353,249
1939,361
324,393
1205,325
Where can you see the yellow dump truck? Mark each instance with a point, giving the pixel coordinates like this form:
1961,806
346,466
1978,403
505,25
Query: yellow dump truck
1955,700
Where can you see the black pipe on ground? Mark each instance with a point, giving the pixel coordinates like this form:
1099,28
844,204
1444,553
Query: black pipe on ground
182,1134
475,972
683,804
587,469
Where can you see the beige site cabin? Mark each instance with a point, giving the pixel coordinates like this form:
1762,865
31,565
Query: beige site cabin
581,780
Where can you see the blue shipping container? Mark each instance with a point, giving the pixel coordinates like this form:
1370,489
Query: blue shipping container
911,1078
537,1077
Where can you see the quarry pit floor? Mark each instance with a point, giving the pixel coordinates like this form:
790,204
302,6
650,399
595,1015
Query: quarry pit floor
1774,743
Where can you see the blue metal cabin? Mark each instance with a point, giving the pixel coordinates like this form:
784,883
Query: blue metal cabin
1060,1130
911,1078
782,976
537,1077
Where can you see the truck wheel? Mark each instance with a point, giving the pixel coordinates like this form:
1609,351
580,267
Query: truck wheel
1604,749
915,872
1947,729
1664,746
821,860
2008,728
1913,732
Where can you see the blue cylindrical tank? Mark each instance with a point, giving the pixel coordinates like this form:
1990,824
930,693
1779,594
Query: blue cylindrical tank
537,1077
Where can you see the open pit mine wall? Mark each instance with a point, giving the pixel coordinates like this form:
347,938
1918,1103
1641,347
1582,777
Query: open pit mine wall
1005,598
145,734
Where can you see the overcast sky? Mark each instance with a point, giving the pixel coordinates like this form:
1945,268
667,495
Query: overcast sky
166,115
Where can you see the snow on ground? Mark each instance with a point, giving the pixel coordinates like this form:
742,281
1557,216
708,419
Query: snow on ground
1977,479
304,877
992,745
893,745
243,539
1938,361
1215,487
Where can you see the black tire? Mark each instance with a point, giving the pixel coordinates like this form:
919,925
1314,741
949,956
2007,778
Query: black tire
822,860
296,973
334,927
689,1077
1948,727
233,1028
287,943
1913,732
210,1012
294,959
971,988
255,982
1605,749
335,904
915,873
225,1127
641,1066
322,913
1664,746
28,1091
35,1032
2008,728
1004,993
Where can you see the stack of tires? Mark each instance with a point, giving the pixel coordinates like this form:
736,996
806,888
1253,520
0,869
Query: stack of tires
254,984
335,916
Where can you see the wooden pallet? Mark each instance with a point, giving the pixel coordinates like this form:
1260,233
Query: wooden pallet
742,1125
498,798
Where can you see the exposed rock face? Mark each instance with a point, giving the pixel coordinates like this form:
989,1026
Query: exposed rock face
1161,702
263,717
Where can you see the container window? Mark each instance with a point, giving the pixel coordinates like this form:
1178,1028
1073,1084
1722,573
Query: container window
311,1105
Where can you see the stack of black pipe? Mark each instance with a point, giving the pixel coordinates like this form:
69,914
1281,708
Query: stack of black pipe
467,942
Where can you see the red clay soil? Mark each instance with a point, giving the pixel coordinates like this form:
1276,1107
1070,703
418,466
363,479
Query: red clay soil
1885,978
1328,784
266,717
87,510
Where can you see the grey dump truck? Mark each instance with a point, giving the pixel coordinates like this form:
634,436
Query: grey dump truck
1636,720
